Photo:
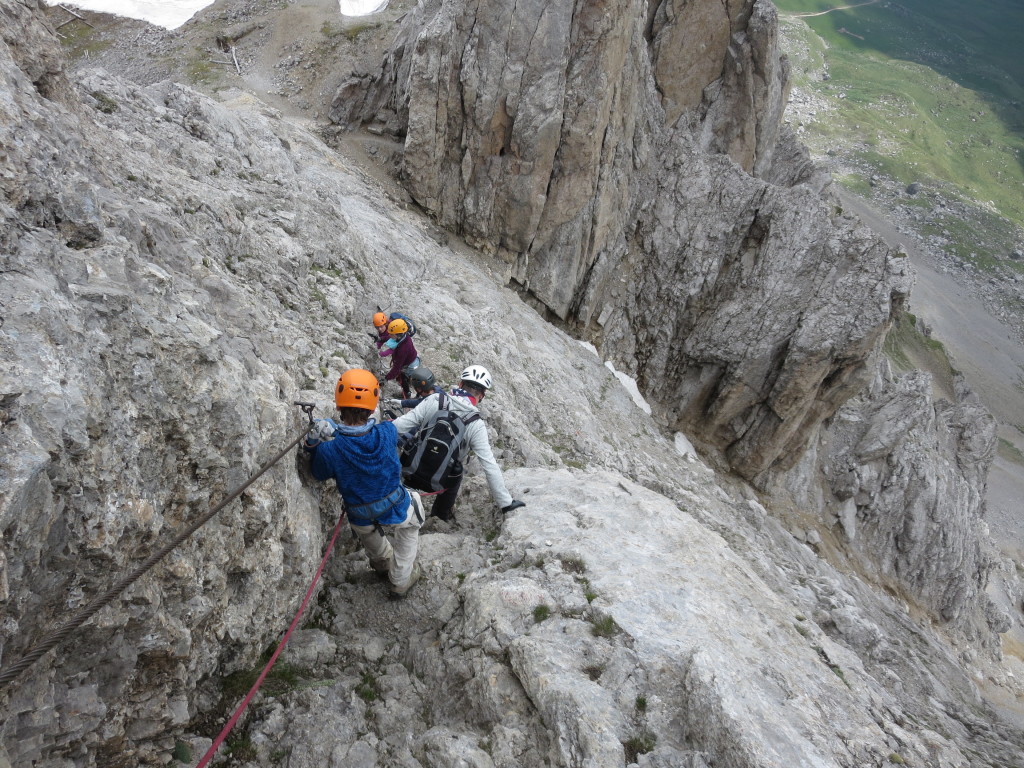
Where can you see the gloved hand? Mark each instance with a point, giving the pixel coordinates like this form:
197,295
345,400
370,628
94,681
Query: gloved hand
321,432
394,402
514,505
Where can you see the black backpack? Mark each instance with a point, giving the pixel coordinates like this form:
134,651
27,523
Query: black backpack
430,462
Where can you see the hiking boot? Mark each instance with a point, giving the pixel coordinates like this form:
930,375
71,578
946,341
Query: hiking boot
381,567
397,593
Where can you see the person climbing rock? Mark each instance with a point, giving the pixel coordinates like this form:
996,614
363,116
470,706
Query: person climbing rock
362,457
380,325
463,400
423,383
404,357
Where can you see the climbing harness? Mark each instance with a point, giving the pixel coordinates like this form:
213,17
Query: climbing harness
378,508
58,636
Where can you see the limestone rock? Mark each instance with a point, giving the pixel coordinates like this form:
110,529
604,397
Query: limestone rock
178,272
887,485
632,170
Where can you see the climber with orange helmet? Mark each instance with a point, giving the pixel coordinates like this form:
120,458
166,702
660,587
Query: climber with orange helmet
380,325
362,457
404,357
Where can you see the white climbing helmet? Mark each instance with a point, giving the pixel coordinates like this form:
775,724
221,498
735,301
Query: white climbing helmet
477,374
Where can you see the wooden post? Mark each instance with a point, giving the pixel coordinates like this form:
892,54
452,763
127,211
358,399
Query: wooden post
80,18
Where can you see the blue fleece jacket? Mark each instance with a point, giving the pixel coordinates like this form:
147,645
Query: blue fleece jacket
364,463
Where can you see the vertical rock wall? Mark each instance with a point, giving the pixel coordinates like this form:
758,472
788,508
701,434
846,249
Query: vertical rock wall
627,160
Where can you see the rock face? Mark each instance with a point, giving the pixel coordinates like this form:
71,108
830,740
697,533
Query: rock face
633,172
528,126
904,477
631,169
759,319
177,272
626,159
141,374
700,652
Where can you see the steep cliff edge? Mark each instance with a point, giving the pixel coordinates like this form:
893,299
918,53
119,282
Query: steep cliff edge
626,159
175,273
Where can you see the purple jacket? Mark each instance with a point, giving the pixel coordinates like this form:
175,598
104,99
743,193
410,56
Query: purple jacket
404,354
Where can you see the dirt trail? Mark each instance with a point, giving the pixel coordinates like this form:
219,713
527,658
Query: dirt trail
830,10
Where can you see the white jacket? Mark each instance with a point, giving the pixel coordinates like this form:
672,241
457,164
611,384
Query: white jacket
476,439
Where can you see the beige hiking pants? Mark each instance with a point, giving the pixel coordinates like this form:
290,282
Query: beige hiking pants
402,554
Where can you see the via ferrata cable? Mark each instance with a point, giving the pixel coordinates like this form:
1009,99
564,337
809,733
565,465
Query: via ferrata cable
59,635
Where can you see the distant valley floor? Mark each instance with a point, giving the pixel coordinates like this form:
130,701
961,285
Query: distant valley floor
989,354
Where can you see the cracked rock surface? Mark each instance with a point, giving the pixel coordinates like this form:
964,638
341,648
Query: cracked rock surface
177,271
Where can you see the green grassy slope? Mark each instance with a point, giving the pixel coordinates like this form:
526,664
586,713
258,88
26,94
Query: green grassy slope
974,43
923,90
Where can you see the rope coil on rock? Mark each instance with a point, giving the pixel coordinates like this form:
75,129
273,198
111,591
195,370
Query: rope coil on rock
56,637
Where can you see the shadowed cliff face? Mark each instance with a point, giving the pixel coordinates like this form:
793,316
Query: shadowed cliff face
625,159
528,125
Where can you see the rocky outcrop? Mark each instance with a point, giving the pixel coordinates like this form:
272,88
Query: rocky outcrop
688,657
903,476
627,161
176,273
759,318
145,350
32,48
528,126
721,61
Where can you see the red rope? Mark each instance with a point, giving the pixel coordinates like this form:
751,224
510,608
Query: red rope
259,681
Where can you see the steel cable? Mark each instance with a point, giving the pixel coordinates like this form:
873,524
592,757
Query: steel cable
58,636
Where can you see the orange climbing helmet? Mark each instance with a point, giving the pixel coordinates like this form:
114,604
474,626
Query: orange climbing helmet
398,326
357,389
380,320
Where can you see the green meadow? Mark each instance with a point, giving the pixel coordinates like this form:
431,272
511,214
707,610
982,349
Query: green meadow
922,91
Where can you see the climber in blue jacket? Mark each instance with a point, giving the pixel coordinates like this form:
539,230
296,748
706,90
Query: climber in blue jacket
362,457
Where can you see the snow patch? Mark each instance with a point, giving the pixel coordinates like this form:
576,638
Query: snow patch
169,14
361,7
683,446
630,384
